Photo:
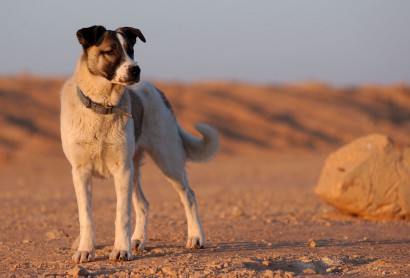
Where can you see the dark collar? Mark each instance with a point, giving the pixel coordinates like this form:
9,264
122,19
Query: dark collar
99,108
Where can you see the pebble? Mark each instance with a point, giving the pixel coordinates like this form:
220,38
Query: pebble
158,251
56,234
289,274
309,271
78,271
268,274
312,243
331,269
14,267
238,212
332,262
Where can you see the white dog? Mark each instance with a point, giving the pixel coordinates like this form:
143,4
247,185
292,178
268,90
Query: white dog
108,122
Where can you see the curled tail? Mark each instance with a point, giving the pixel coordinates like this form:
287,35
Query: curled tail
200,149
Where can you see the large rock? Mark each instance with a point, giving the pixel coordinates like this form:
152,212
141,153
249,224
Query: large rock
370,177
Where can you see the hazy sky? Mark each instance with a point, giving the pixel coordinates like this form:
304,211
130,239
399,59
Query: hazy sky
346,42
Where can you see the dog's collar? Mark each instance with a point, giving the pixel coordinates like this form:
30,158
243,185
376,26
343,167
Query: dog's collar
99,108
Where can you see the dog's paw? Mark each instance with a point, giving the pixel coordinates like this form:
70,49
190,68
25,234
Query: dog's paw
138,245
120,255
83,256
194,243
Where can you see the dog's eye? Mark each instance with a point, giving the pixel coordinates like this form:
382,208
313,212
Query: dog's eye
108,52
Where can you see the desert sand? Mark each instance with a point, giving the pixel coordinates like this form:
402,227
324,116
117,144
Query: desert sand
256,199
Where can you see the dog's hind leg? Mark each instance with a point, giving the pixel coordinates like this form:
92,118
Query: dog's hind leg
172,164
195,232
141,208
83,191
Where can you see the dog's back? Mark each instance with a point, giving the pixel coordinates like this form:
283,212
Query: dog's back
151,105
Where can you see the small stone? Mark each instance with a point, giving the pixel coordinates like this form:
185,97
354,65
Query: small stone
309,271
289,274
158,251
331,269
26,241
238,212
266,262
14,267
279,274
57,234
268,274
78,271
312,243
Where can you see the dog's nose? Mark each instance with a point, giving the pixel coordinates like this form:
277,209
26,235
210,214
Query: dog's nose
135,70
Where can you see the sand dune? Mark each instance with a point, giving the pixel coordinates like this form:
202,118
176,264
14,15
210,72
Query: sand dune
250,118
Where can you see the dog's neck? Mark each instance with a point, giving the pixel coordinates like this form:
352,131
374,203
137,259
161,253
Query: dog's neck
98,88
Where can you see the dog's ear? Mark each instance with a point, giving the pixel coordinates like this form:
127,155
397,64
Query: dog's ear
131,34
89,36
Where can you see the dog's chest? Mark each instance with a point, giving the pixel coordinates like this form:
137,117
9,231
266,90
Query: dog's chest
105,142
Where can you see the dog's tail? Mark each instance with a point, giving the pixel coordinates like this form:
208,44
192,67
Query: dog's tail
200,149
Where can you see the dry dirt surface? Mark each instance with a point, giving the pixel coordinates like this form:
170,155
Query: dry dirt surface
256,198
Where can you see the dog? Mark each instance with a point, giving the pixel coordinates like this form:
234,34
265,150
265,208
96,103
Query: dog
109,120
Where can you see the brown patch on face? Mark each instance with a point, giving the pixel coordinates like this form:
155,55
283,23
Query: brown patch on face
105,56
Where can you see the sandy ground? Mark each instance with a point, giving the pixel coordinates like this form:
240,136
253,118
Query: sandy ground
256,201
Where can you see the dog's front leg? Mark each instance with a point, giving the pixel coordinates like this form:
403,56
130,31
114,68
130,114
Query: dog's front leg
123,189
83,191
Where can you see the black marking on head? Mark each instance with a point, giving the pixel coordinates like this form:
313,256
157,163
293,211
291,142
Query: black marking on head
90,36
131,34
128,47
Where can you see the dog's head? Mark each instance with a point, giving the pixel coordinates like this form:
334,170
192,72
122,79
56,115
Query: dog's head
110,54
